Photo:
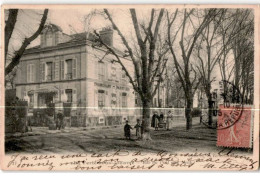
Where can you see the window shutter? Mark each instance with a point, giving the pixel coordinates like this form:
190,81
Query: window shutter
95,98
63,96
109,65
57,67
61,70
118,74
74,96
33,73
74,68
96,69
119,99
28,73
43,72
53,71
106,70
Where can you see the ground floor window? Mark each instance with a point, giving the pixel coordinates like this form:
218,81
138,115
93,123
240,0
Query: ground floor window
101,98
69,95
44,99
31,100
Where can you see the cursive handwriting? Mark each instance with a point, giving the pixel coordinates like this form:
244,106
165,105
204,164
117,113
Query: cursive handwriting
225,159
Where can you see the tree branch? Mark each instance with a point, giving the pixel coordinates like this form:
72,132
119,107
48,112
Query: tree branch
16,59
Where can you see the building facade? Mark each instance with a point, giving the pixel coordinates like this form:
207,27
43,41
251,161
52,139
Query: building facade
65,70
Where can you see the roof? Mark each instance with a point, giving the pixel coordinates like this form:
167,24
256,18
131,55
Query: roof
76,39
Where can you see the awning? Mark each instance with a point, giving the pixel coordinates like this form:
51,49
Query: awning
43,91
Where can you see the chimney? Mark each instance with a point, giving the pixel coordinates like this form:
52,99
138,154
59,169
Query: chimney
106,35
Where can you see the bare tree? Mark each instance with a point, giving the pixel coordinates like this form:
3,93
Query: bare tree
243,50
9,28
149,62
237,35
185,70
209,50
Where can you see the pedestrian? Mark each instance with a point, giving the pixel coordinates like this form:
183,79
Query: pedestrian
161,118
156,126
153,119
155,115
169,120
59,122
138,128
127,129
29,123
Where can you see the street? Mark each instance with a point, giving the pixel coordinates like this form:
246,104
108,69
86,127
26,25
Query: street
42,140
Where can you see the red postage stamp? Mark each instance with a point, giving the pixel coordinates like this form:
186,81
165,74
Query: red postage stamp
235,126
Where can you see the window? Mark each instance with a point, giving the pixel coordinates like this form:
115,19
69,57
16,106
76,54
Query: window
49,71
113,99
113,72
30,100
124,100
49,39
30,73
69,69
101,98
74,66
101,70
69,95
123,76
62,69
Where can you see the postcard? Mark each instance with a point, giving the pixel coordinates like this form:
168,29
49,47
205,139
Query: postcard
129,87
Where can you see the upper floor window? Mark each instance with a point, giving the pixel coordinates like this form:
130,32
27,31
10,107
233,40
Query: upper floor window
30,73
101,70
101,98
48,39
124,100
113,72
49,74
68,69
123,76
113,99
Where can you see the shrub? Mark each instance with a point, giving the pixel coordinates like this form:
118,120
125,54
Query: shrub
196,112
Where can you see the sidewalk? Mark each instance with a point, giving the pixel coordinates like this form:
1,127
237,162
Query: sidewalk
45,130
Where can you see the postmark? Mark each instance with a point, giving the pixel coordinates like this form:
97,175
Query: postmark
234,119
229,108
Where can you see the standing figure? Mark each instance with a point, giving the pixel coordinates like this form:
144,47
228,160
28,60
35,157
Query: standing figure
138,127
59,122
29,123
161,118
169,120
156,126
127,129
155,121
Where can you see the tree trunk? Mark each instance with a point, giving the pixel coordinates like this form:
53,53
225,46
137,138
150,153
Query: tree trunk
189,106
210,109
146,120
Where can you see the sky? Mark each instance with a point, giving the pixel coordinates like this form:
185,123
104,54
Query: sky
72,21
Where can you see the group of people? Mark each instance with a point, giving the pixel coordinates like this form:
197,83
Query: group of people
128,128
156,119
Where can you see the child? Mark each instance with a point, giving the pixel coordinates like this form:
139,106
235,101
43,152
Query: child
127,129
138,129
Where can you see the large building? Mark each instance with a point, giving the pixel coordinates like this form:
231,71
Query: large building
66,70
